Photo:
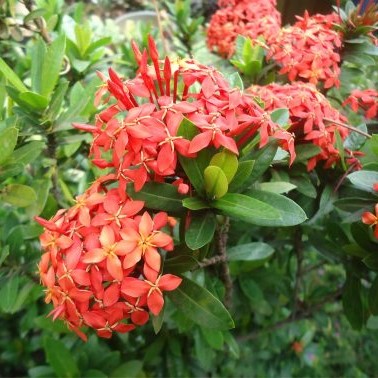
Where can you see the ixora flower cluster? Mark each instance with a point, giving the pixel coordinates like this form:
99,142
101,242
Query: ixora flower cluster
366,100
245,17
309,50
102,258
309,111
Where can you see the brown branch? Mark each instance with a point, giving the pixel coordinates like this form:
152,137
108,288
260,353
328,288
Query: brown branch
38,22
212,261
310,310
348,127
225,275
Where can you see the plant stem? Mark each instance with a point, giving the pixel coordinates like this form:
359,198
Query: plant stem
160,26
348,127
298,249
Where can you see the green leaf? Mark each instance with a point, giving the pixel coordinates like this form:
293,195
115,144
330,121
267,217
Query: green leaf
213,337
193,168
28,152
232,344
38,53
304,185
56,102
276,187
60,358
8,141
248,209
263,159
11,76
216,184
290,213
280,116
180,264
257,252
195,203
52,65
364,180
235,80
35,100
352,302
158,196
373,297
242,174
18,195
227,162
8,294
340,148
371,261
306,151
199,305
201,230
34,14
157,321
129,369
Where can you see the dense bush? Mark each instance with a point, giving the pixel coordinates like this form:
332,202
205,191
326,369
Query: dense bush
220,214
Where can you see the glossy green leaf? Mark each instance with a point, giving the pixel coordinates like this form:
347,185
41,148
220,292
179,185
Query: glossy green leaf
263,159
306,151
195,203
213,337
52,65
60,358
8,141
257,252
242,174
290,213
216,184
364,180
199,305
11,76
248,209
227,162
158,196
280,116
18,195
201,230
180,264
276,187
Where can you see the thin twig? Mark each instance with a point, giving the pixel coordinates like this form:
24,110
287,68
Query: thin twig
39,23
348,127
212,261
160,26
225,270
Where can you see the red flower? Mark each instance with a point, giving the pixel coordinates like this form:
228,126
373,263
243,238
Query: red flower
248,18
372,219
366,100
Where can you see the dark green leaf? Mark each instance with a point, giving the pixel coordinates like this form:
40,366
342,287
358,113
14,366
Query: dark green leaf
257,252
373,297
352,302
306,151
129,369
158,196
213,337
180,264
242,174
247,209
276,187
199,305
201,230
8,294
195,203
290,213
60,358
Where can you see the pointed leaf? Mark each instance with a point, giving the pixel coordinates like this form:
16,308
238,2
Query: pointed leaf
8,141
364,180
11,76
242,174
199,305
201,230
216,184
195,203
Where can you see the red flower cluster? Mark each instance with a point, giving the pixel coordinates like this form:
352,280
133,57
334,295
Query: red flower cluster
245,17
309,50
366,100
307,109
101,262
